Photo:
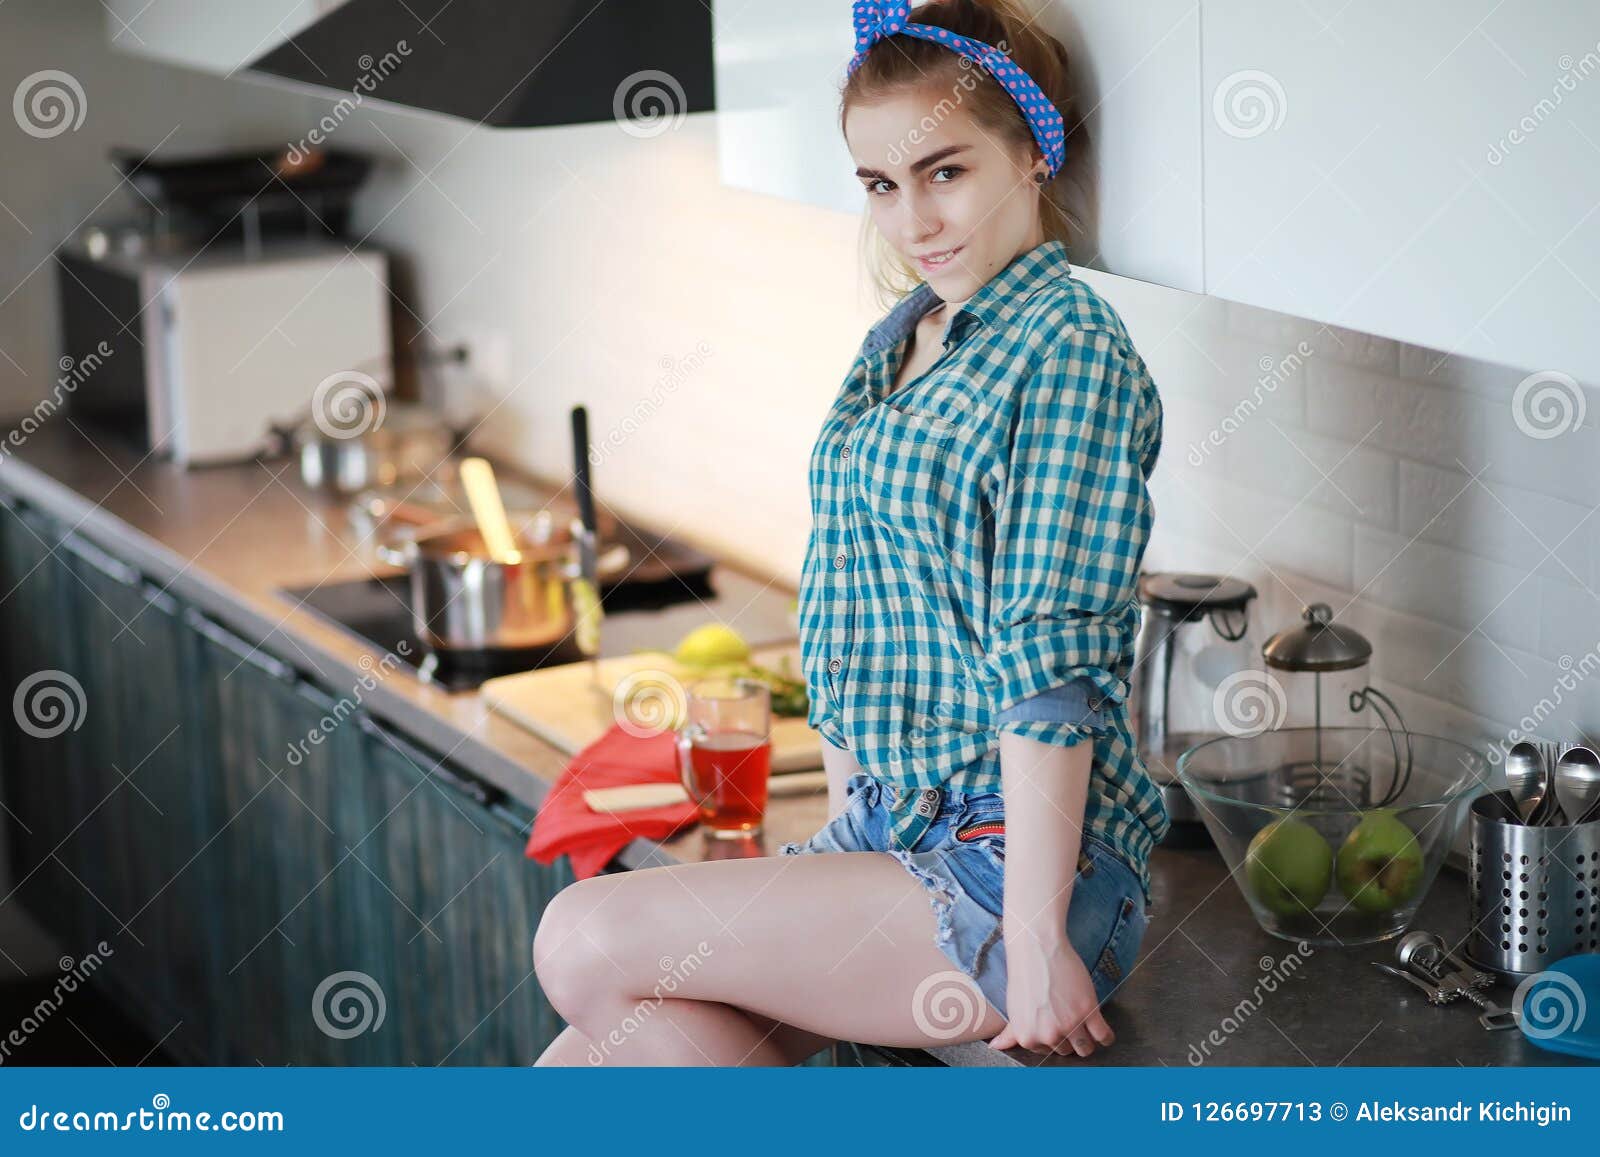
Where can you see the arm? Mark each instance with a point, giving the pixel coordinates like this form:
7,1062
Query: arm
1049,996
1071,525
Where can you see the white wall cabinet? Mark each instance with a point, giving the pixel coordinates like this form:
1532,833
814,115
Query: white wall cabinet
211,35
1427,171
779,69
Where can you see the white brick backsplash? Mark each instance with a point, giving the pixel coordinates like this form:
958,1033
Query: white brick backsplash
1499,521
1260,531
1428,424
1569,621
1448,586
1475,673
1564,466
1349,480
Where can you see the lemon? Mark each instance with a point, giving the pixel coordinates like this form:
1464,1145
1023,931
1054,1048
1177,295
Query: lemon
711,644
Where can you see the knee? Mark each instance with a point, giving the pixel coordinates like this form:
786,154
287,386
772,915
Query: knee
569,949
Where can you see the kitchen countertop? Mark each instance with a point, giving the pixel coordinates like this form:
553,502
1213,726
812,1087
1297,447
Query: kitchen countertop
228,538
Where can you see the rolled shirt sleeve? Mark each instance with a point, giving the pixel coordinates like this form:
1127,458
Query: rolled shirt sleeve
1071,521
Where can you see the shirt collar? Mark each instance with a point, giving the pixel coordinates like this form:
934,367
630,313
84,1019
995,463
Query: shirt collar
994,302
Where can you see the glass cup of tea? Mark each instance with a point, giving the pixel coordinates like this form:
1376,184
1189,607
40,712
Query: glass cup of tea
725,754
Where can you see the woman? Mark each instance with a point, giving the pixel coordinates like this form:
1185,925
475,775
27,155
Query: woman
968,608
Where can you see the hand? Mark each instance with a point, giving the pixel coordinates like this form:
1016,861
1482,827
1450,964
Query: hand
1050,999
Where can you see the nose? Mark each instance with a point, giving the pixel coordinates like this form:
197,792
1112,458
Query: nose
920,220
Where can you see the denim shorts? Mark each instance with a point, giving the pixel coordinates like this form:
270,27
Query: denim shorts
960,860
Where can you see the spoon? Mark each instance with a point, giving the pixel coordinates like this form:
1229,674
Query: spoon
1525,779
1578,783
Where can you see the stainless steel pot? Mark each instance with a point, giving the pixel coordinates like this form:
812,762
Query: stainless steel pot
463,600
410,442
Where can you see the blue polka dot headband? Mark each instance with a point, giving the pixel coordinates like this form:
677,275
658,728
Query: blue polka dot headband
875,21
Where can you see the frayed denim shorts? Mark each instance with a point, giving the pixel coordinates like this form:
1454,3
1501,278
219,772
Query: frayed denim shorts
960,860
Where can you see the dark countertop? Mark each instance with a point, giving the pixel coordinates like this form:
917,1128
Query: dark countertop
1207,967
228,538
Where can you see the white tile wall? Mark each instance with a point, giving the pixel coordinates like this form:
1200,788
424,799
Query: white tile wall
707,330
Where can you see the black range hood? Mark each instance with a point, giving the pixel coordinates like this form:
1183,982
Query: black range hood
510,63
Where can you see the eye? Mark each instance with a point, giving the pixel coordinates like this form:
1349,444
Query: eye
954,170
871,186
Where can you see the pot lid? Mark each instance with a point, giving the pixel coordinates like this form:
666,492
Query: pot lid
1319,644
1185,596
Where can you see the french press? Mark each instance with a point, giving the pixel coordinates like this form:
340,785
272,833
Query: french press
1320,645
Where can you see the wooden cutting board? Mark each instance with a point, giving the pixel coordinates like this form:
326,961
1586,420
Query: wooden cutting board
567,707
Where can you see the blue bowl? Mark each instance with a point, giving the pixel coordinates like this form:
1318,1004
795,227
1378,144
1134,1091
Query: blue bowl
1559,1008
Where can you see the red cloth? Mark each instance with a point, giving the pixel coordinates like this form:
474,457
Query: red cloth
566,826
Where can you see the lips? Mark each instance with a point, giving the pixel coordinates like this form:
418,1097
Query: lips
938,260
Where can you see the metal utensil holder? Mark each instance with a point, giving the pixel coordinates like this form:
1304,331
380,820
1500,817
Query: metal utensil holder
1532,891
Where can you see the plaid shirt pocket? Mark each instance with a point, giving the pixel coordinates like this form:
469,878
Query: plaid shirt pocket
900,464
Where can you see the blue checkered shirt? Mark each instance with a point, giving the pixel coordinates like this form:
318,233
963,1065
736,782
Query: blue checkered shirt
975,546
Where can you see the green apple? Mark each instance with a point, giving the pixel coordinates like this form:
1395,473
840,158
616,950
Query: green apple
1380,864
1289,866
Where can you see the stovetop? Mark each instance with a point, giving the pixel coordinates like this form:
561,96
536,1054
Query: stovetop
647,615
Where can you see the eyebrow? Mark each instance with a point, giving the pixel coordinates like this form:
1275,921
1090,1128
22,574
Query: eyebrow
917,166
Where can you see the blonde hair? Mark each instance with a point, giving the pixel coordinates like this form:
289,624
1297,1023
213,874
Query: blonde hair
897,63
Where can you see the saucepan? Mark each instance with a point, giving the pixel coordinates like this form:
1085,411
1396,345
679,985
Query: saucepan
463,599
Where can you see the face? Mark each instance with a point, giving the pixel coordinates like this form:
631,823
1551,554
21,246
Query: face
940,186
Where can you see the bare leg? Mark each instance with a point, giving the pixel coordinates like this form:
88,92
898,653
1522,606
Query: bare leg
792,1045
694,963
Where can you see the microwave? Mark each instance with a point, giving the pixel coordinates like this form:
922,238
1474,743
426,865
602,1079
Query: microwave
199,355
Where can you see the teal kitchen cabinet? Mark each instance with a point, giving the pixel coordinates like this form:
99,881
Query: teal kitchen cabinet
139,848
270,863
458,926
285,773
46,713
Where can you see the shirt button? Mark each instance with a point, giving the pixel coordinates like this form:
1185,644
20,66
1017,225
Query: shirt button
838,561
835,666
844,451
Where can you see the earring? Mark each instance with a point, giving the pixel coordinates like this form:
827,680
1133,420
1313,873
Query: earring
1039,178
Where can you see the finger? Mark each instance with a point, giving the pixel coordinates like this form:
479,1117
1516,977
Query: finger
1099,1029
1004,1039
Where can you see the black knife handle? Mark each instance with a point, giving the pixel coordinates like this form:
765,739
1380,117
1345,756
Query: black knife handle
580,462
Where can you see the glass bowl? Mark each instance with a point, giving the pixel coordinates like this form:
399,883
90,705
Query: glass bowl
1326,837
